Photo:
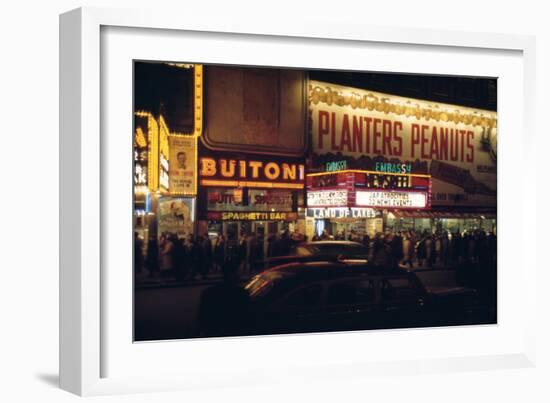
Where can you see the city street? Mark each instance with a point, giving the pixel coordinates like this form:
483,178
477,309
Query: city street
167,313
170,312
329,183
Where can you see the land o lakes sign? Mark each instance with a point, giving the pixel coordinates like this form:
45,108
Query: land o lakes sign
342,212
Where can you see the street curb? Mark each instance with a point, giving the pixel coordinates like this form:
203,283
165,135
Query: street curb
173,284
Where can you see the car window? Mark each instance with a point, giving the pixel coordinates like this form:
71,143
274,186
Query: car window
398,288
332,249
305,297
351,293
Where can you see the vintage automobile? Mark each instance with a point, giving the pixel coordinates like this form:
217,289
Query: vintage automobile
339,295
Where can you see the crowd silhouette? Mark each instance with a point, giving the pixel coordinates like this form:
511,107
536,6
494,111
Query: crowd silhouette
196,258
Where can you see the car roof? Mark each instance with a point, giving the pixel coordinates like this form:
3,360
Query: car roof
329,268
343,243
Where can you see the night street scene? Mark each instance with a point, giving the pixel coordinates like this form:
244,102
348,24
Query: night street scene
279,201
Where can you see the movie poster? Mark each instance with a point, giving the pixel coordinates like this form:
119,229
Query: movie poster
183,165
175,216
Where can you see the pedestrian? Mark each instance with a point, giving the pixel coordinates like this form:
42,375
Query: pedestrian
207,255
258,253
429,245
242,252
396,244
437,247
283,244
166,255
138,253
407,250
421,251
445,248
152,257
180,259
366,243
382,256
192,256
297,237
251,243
219,253
271,242
414,239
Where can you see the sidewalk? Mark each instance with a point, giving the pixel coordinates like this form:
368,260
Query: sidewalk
143,281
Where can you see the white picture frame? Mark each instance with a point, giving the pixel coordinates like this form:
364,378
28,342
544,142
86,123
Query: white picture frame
88,330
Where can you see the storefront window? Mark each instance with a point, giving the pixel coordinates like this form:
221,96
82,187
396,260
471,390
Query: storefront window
488,225
471,224
422,224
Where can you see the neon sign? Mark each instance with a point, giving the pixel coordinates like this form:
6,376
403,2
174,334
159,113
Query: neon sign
250,173
390,167
342,212
392,199
252,216
336,166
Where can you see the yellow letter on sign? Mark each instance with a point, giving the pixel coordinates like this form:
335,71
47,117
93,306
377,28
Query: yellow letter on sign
208,167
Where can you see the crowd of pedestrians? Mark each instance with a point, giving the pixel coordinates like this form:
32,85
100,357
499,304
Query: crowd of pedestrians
472,254
424,248
251,251
183,258
189,258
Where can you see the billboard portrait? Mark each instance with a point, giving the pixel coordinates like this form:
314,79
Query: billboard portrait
183,151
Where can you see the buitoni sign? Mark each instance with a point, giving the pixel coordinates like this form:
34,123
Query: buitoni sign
250,172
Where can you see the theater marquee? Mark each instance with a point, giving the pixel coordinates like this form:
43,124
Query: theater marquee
392,199
332,198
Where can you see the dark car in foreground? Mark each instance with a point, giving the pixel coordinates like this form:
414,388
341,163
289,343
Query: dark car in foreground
319,250
336,295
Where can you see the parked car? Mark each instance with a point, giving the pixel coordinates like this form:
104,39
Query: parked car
320,296
320,250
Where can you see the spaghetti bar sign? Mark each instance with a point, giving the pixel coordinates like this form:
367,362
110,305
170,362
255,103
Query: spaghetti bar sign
392,199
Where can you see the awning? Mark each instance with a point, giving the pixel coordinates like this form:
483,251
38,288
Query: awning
442,214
